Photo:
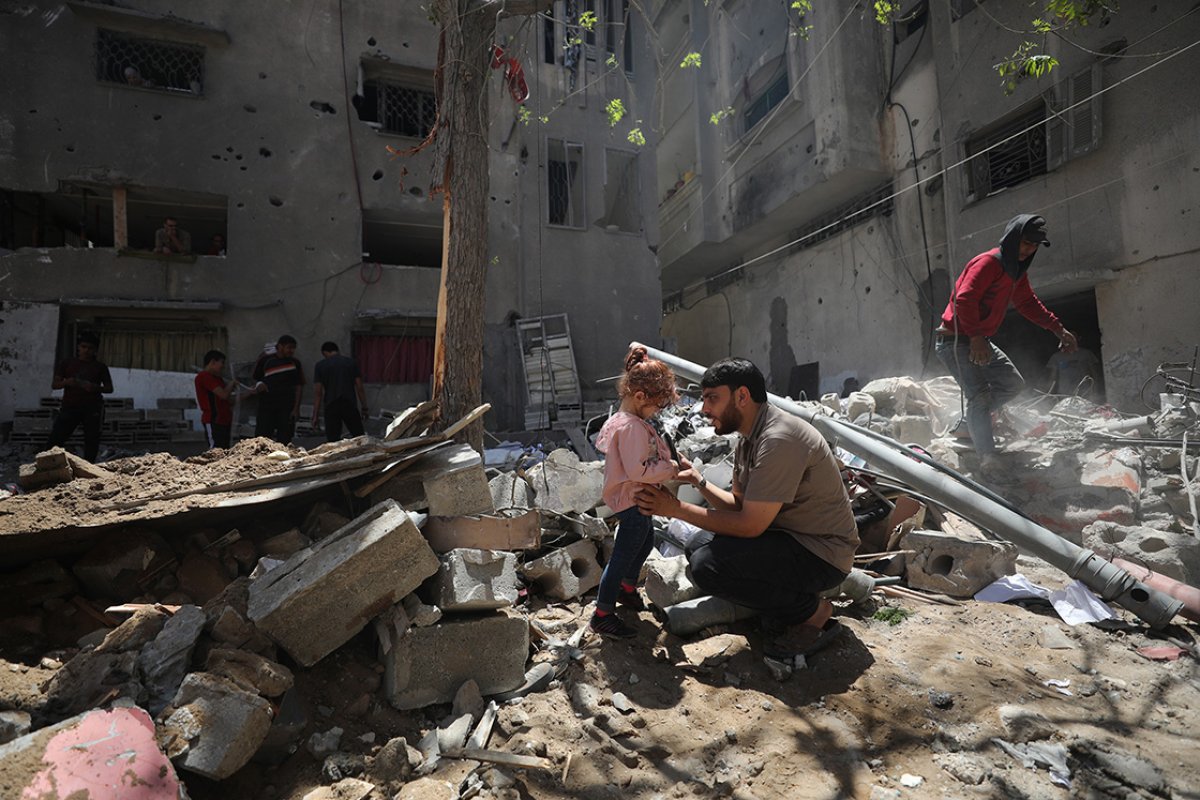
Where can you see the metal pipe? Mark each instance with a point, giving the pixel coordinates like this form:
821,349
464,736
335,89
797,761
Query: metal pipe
975,503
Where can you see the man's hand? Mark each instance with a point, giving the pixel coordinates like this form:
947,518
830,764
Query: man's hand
654,500
687,473
1067,341
981,351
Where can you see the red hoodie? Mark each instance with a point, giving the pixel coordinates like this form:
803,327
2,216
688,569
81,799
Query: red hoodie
982,295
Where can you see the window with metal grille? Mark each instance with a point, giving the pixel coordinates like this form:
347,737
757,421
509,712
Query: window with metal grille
875,203
762,105
149,64
398,109
1064,124
564,179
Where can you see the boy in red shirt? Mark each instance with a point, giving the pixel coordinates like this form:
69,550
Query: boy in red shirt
213,393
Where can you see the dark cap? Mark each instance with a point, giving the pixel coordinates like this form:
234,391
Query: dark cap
1035,231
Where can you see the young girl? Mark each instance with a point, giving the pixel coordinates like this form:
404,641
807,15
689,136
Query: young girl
635,455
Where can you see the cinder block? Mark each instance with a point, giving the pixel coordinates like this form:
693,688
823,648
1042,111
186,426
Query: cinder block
568,572
474,580
510,492
216,725
564,484
486,532
176,402
430,664
319,598
953,566
449,482
163,414
1114,469
1176,555
668,581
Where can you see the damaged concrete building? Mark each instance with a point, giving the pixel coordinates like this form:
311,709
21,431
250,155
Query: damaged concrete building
820,192
264,133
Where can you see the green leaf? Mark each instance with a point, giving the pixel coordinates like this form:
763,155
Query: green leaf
716,118
892,615
523,115
803,6
587,20
615,111
690,60
884,11
611,61
636,137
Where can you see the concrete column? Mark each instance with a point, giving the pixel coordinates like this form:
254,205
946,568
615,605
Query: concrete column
120,218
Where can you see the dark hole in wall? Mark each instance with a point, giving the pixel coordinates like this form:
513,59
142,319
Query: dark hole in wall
390,239
1031,347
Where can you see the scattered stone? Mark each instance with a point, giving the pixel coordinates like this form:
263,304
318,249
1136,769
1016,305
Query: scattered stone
420,614
395,761
13,725
468,700
585,698
324,743
474,580
956,567
567,572
430,664
250,671
114,567
911,781
342,765
510,493
202,577
668,581
621,703
964,767
215,727
520,532
322,596
165,661
449,482
942,700
452,737
1024,724
285,544
344,789
564,484
1052,637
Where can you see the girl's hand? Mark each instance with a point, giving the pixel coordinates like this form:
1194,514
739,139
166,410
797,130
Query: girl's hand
687,473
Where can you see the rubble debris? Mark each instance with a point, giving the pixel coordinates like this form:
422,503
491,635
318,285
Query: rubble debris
449,482
164,662
116,567
214,727
564,484
285,544
420,614
522,532
13,725
430,664
250,671
510,492
474,580
36,583
953,566
668,581
289,724
1175,555
324,743
343,789
313,603
567,572
96,754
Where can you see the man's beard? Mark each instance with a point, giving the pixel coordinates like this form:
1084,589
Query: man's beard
729,421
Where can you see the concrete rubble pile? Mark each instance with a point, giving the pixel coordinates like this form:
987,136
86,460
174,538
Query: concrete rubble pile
471,591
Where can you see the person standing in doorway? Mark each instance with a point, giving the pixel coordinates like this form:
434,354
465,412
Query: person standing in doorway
84,380
337,381
213,393
991,282
279,383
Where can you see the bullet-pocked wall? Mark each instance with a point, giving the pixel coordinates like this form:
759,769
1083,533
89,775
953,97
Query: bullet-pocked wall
1104,149
271,129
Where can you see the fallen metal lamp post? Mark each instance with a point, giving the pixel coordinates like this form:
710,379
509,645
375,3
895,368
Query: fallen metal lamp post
966,498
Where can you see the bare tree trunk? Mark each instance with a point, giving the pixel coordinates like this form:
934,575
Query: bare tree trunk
461,152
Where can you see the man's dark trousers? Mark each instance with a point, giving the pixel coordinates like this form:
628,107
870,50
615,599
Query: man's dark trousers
275,422
71,418
342,410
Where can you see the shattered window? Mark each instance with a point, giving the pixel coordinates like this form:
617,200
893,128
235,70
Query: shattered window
398,109
564,190
149,64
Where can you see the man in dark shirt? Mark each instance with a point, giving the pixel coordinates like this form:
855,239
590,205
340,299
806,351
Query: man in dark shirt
212,393
337,380
83,380
280,382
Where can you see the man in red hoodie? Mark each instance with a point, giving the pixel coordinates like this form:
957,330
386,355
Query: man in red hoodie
987,286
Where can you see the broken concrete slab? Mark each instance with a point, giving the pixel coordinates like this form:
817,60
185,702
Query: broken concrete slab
1175,555
165,661
668,581
98,754
317,600
285,544
31,478
430,664
567,572
565,484
449,482
1068,511
286,729
912,429
115,566
522,532
953,566
250,671
215,727
421,614
510,493
474,580
1113,468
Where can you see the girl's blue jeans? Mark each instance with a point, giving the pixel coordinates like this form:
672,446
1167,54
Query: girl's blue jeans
635,538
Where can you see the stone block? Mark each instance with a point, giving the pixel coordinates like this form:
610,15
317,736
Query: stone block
52,459
567,572
953,566
859,403
1068,511
216,727
285,544
430,664
487,532
250,671
420,614
164,414
510,492
449,482
98,754
319,598
565,484
474,580
668,581
1121,469
113,567
912,429
1175,555
202,577
165,661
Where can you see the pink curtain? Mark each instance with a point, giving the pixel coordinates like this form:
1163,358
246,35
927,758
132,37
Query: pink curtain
394,359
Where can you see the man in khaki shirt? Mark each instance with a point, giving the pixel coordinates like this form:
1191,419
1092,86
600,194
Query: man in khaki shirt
785,532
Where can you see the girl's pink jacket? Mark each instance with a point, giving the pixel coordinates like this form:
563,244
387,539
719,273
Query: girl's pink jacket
634,456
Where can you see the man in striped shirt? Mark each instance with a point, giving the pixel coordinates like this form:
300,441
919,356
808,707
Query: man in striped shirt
279,384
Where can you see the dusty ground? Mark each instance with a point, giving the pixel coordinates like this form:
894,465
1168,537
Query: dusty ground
918,698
